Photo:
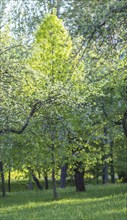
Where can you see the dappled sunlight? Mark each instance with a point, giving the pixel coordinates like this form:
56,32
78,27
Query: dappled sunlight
107,204
64,208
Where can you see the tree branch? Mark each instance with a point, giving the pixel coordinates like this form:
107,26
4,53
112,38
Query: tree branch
34,109
112,10
119,122
38,104
122,121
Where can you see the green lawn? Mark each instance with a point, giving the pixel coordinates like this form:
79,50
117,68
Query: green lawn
107,202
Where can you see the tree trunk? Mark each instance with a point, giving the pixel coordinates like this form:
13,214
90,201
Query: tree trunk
9,180
112,164
105,173
125,123
112,172
63,176
105,165
123,176
36,181
30,184
79,180
55,195
97,178
46,181
38,184
2,178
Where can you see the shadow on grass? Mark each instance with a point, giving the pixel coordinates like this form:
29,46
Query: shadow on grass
93,192
97,191
81,208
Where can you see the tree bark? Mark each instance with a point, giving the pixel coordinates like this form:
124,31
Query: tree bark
79,178
30,184
36,181
97,172
112,164
125,123
63,176
112,172
105,173
9,180
46,181
105,165
38,184
55,195
3,180
123,176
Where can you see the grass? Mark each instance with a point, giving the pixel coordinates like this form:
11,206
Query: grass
101,202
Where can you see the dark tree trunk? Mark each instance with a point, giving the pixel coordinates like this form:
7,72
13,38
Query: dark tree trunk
105,173
79,180
36,181
112,164
55,195
63,176
123,176
105,165
97,178
9,180
46,181
112,172
2,178
125,123
38,184
30,184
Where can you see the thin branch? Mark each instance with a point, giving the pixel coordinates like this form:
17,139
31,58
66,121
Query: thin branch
9,48
119,122
96,28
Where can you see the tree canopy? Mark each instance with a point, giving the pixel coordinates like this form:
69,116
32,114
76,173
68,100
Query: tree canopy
64,85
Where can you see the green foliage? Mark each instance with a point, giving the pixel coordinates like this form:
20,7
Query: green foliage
80,83
53,49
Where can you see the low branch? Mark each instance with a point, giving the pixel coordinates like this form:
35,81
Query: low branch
119,122
122,121
34,109
38,104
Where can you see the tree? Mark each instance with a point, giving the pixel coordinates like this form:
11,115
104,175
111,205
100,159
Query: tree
51,59
69,85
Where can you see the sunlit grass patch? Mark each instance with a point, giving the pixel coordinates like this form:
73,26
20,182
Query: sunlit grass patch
98,203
